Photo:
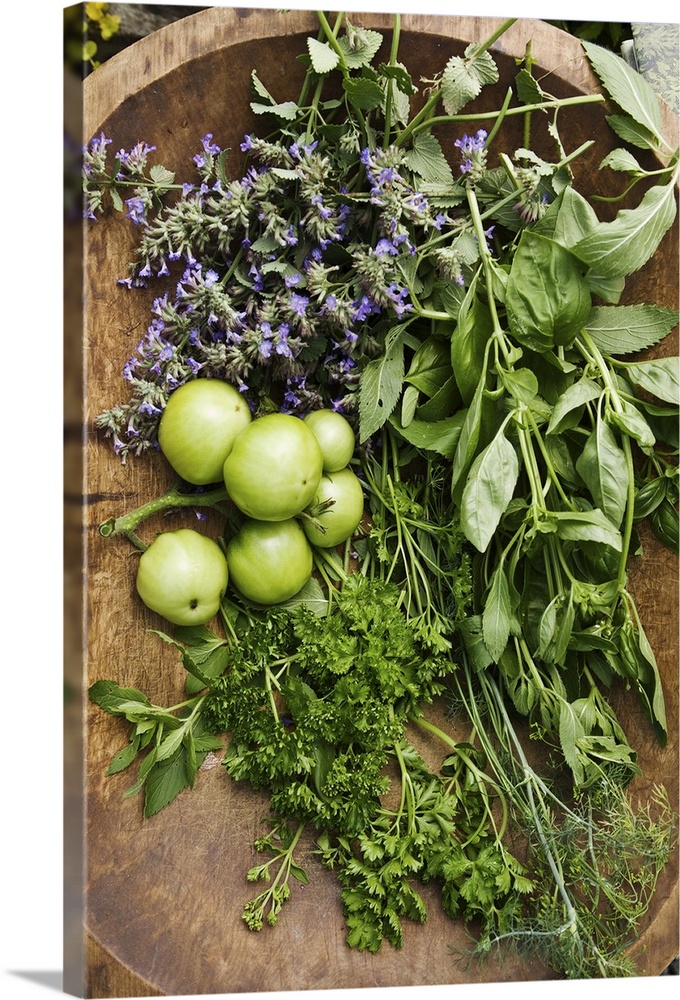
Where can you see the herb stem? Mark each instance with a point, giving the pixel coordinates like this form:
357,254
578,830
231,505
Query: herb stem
173,497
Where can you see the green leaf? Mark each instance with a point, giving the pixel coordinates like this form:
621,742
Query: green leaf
602,466
659,377
619,248
547,298
631,421
381,384
621,160
161,176
323,57
575,218
567,409
488,490
628,88
619,330
401,76
528,90
440,436
586,526
359,45
431,366
362,93
469,342
288,110
427,159
164,782
497,617
464,77
632,132
571,730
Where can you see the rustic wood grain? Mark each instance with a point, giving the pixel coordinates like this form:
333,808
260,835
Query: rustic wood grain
163,896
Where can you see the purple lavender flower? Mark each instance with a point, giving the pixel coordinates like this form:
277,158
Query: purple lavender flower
299,303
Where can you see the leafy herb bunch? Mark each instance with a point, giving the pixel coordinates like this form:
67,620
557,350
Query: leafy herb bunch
467,319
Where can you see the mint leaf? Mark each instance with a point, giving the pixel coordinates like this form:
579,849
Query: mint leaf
359,45
618,248
632,132
362,93
628,88
288,110
381,383
619,330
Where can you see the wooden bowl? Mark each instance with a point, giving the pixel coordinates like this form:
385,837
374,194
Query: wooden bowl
163,896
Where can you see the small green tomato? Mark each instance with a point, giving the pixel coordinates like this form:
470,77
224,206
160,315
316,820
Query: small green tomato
335,436
198,426
182,576
341,519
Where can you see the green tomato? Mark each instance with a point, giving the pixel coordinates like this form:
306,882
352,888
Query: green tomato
182,576
342,517
198,427
274,468
269,561
335,436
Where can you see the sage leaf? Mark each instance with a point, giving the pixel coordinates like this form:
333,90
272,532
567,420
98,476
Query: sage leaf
497,615
619,330
381,384
629,89
488,490
602,466
660,377
619,248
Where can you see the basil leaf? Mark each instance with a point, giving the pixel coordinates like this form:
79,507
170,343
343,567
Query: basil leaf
547,298
567,409
497,615
468,342
660,377
603,468
488,490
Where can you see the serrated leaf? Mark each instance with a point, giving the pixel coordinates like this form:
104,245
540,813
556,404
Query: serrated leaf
528,90
619,330
288,110
628,88
622,160
323,57
161,176
260,88
359,45
632,132
618,248
401,76
164,782
427,159
381,383
362,93
464,77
